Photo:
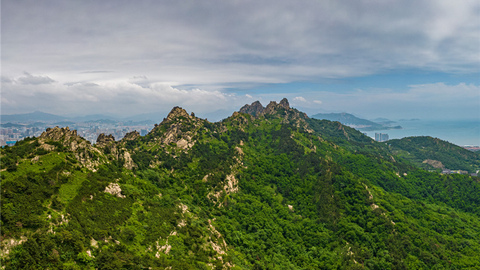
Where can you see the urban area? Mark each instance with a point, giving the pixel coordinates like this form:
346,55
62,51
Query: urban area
10,133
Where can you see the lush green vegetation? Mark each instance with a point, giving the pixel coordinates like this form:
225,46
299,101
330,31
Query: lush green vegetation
419,149
273,192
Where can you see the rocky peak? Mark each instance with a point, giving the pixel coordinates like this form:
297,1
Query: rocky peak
177,112
284,103
131,136
102,138
255,109
57,133
271,107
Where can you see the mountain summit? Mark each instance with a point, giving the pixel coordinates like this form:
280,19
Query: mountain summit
256,108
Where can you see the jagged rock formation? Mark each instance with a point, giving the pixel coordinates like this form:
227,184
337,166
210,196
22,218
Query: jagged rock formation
57,133
86,154
131,136
178,129
178,112
284,103
68,138
275,109
256,108
104,140
129,164
272,107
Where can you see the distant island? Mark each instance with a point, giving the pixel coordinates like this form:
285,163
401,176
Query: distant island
358,123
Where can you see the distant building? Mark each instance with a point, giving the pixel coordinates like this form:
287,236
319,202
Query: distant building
11,143
381,137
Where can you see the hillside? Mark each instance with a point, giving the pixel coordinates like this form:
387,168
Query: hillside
31,117
355,122
266,188
432,153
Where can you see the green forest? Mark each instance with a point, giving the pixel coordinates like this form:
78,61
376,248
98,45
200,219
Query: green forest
277,190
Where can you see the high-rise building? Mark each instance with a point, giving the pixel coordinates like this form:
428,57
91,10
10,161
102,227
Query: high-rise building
381,137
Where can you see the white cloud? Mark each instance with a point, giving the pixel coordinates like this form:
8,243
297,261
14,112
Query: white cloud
28,78
300,99
319,102
123,98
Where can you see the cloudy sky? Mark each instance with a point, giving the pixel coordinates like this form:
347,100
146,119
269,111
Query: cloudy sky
393,59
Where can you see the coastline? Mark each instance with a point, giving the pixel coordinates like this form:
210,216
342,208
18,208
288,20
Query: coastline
460,132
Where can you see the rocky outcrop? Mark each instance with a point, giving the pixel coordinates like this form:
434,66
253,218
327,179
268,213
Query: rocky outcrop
9,243
84,152
272,107
434,163
104,140
68,138
57,133
256,108
131,136
115,190
129,164
278,110
178,129
284,103
178,112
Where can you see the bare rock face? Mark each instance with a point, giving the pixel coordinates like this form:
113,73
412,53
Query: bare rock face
56,133
131,136
255,109
115,190
177,112
67,137
434,163
178,129
280,110
129,164
84,152
284,103
271,108
104,140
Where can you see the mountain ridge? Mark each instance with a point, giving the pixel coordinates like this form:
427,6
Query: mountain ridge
274,190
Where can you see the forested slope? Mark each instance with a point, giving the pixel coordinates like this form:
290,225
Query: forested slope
425,151
273,190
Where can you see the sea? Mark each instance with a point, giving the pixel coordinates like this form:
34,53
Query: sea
459,132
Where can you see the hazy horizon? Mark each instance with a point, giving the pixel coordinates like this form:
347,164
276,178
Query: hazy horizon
219,115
